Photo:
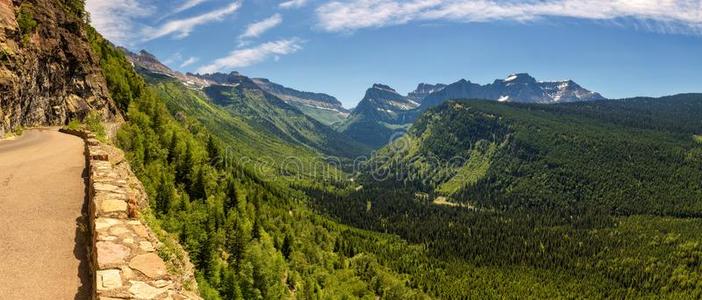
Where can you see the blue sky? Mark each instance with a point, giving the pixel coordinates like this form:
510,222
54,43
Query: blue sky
619,48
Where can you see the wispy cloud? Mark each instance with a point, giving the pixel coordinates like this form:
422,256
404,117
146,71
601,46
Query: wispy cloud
115,20
246,57
256,29
174,58
188,62
181,28
292,4
188,4
658,15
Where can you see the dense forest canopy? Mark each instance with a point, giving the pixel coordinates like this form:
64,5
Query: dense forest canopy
633,156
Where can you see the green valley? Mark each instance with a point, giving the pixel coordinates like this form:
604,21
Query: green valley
572,200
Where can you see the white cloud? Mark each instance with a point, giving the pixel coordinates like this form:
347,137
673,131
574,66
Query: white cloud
174,58
246,57
188,4
188,62
255,30
657,15
115,19
181,28
292,4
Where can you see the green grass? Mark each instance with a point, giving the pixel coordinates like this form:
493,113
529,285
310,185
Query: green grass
472,171
697,138
325,116
93,123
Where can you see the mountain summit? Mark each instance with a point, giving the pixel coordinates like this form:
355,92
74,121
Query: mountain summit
384,103
423,90
374,120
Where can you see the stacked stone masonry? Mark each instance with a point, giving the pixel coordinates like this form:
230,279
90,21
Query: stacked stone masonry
124,254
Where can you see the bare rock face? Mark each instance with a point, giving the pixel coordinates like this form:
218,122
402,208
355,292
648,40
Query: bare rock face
48,72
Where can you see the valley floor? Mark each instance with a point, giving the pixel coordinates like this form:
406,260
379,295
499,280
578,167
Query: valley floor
43,253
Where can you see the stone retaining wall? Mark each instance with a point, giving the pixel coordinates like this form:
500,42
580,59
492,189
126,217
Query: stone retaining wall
124,253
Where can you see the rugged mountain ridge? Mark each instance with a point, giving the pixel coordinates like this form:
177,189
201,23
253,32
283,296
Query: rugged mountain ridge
520,87
294,96
384,113
322,107
244,98
145,62
48,73
423,90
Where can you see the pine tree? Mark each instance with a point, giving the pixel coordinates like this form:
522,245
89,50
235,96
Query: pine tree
172,148
287,246
164,195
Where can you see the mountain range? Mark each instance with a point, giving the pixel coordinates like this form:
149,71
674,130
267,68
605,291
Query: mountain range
250,105
382,114
520,87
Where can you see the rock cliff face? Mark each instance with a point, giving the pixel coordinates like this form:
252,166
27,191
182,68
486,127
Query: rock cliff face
48,72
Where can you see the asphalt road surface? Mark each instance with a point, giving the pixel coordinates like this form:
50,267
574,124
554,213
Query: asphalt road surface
43,229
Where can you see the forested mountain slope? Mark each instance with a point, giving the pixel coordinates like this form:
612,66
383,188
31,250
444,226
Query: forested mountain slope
627,156
253,101
243,97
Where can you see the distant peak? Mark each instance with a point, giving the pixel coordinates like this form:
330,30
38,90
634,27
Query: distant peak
383,87
145,53
520,77
424,85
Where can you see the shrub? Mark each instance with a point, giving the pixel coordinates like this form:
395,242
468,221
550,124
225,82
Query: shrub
26,22
77,8
74,125
94,123
18,131
4,55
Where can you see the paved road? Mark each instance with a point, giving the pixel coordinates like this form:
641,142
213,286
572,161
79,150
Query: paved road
43,235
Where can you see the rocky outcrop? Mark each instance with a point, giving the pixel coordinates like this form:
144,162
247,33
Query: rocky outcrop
48,73
289,95
147,63
423,90
127,257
